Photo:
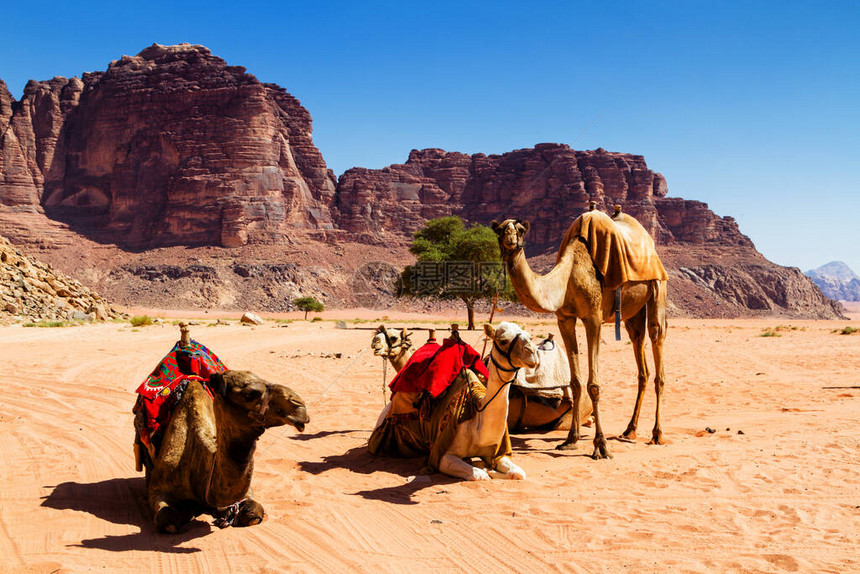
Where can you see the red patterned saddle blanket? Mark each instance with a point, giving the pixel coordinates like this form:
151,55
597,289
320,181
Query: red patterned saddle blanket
162,389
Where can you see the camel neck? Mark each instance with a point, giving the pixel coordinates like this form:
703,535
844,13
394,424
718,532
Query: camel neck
542,293
236,438
494,406
399,360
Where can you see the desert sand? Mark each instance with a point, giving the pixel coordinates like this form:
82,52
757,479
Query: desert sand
773,489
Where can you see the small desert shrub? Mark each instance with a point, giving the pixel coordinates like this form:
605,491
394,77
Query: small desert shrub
140,321
316,319
48,324
848,330
770,333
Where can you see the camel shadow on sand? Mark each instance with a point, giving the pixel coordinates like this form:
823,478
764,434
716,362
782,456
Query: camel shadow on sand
121,501
546,443
412,473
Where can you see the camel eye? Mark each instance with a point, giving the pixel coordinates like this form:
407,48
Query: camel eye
252,394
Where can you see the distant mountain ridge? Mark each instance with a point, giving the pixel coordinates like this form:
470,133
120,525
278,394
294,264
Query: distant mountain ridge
836,280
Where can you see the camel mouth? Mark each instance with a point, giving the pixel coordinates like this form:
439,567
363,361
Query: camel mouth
299,426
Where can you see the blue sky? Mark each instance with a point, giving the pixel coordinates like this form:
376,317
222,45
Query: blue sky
752,107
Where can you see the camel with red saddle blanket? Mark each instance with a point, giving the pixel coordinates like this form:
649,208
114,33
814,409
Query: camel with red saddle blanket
197,426
440,407
540,397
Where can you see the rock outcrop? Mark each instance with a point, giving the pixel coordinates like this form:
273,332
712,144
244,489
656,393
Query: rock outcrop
837,281
31,290
169,147
550,185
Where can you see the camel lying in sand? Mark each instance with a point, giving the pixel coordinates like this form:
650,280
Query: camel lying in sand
465,421
205,460
392,344
540,398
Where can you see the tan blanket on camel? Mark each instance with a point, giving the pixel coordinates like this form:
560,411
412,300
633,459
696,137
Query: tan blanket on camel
621,249
428,426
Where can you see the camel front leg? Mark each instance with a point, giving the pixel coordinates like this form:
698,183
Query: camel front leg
592,334
511,471
453,465
567,327
636,330
166,518
250,512
657,326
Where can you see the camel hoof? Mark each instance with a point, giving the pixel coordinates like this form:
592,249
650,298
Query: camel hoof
600,451
566,445
168,520
629,434
657,439
250,513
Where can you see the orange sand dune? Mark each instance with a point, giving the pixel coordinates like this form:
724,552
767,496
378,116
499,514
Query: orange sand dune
773,489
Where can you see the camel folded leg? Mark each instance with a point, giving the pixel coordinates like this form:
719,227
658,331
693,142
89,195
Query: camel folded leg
453,465
511,471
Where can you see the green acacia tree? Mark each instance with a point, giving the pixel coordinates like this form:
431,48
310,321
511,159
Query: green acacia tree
308,304
456,262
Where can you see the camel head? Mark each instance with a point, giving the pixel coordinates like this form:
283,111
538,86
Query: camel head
389,342
286,407
511,233
512,347
265,403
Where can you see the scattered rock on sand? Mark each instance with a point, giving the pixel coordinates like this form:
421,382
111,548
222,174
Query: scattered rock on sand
251,319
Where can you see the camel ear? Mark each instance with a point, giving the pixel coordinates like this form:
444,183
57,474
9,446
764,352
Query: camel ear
525,225
217,384
494,225
403,334
490,331
380,329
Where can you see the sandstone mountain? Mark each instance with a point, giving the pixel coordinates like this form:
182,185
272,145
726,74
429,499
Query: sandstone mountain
837,281
169,147
173,179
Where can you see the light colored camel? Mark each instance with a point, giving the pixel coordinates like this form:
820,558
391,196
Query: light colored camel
541,398
574,289
467,420
206,458
527,410
512,350
393,345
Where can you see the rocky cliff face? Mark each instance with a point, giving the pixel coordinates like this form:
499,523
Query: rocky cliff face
171,146
34,291
550,185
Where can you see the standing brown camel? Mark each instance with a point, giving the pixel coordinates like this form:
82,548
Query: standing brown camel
597,256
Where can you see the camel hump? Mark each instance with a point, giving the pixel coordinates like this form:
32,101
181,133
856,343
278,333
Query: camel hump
621,249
